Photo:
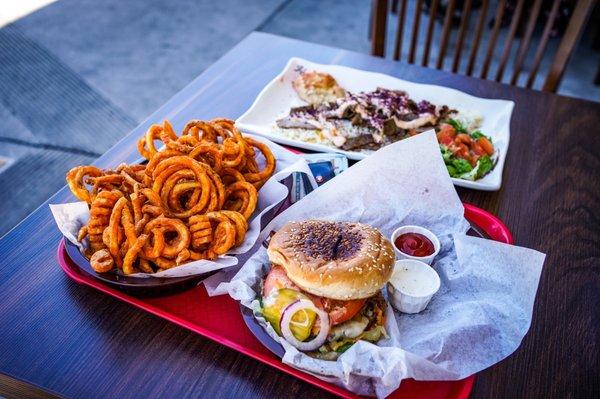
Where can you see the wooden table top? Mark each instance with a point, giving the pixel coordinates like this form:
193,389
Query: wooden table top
77,342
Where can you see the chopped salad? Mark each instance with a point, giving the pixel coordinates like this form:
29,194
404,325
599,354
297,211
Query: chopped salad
467,154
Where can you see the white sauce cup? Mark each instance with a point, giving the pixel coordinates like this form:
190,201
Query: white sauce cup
412,285
420,230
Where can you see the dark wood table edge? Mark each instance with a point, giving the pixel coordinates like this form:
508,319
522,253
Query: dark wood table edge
13,387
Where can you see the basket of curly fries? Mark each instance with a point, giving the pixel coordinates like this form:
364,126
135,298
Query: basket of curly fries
192,200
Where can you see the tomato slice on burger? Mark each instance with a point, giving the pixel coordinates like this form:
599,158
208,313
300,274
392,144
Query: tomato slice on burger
276,280
341,311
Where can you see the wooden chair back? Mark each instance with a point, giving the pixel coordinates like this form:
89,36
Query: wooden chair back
526,13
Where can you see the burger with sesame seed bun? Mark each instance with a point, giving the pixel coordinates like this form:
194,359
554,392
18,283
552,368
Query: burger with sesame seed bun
323,292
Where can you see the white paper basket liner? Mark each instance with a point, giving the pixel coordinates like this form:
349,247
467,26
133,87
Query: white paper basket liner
482,310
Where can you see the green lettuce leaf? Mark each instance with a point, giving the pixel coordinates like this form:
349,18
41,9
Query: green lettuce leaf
456,125
446,154
477,134
344,347
452,171
484,165
462,165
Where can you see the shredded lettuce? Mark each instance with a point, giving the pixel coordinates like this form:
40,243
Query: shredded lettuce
462,165
456,166
477,134
484,165
344,347
446,154
452,171
472,175
462,169
374,334
459,127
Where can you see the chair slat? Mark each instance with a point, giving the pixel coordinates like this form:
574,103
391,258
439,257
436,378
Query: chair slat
445,33
582,11
526,14
464,23
430,27
524,45
541,48
400,31
493,38
514,24
415,31
379,27
478,32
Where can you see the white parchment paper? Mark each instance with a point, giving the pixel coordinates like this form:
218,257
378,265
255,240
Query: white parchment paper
482,310
71,216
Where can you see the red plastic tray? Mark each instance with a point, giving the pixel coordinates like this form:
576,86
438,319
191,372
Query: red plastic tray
219,319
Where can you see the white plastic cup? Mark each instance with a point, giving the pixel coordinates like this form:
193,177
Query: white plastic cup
416,283
420,230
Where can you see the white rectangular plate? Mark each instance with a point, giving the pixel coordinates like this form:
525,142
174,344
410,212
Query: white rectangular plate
278,97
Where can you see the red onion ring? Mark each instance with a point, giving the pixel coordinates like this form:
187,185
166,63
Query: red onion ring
286,319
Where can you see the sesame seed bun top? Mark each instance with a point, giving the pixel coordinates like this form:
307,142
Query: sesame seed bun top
337,260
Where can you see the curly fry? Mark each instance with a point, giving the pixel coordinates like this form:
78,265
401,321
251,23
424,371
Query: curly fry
231,175
156,244
128,226
82,233
75,180
145,266
261,177
146,144
99,218
182,257
201,231
191,201
177,244
224,238
132,254
244,191
171,165
113,226
240,224
101,261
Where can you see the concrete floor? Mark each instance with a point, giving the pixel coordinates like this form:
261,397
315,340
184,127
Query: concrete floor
76,76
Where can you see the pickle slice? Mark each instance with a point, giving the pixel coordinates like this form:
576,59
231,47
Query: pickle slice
275,304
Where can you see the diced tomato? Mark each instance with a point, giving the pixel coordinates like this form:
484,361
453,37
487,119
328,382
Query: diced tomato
276,280
477,149
460,150
445,127
464,139
487,146
446,134
341,311
474,159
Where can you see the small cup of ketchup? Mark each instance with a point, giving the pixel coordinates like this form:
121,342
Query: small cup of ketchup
415,242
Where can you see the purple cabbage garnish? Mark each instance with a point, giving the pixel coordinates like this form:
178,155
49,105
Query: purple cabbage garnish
425,107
